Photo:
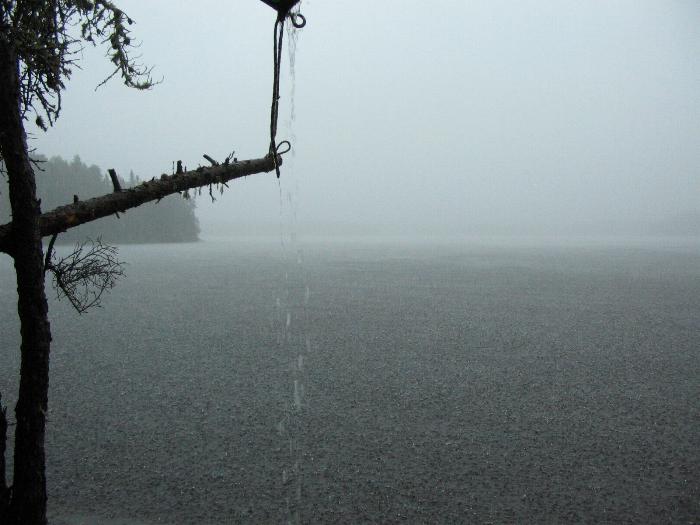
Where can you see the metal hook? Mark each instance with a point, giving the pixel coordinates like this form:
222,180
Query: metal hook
298,20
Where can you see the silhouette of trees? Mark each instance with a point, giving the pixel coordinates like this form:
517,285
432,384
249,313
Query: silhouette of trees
58,182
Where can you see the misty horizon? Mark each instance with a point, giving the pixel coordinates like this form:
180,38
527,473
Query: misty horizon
554,118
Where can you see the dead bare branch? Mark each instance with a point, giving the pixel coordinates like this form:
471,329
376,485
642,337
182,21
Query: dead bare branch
86,273
72,215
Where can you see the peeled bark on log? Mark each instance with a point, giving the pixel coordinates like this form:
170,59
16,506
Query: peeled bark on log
72,215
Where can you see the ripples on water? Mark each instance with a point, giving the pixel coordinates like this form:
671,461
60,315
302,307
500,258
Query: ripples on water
459,383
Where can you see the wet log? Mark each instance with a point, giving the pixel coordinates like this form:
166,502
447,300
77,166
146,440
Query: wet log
72,215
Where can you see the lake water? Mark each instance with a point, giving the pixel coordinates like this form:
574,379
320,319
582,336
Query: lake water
230,381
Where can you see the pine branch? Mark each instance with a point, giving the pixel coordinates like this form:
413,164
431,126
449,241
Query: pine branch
65,217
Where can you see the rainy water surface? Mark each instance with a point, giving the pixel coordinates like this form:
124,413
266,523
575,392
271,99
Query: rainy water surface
426,383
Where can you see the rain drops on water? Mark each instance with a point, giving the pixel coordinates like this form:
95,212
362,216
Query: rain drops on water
298,392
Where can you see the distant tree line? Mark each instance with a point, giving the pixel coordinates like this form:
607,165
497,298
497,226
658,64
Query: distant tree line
59,182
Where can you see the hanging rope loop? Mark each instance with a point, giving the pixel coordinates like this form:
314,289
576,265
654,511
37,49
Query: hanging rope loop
298,21
274,108
284,144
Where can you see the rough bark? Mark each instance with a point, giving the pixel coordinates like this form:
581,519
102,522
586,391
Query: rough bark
4,490
28,503
71,215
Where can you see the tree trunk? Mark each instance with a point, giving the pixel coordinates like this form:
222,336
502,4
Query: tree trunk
28,503
4,491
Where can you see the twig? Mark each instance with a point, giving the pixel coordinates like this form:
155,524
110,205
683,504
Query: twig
212,161
86,273
115,180
49,252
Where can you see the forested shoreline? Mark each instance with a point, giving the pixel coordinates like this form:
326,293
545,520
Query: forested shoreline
59,182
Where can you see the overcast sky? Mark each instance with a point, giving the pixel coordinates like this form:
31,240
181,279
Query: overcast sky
414,116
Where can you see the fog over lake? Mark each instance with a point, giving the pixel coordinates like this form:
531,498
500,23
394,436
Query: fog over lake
417,118
473,296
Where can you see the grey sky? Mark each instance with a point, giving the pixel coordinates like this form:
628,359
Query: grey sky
449,116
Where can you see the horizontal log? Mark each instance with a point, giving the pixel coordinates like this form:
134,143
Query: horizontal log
72,215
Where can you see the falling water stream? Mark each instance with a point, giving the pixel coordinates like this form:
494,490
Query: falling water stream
292,334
